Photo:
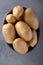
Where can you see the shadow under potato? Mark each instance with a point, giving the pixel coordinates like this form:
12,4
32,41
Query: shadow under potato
17,36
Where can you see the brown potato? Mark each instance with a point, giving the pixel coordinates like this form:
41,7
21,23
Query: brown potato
31,18
23,30
8,33
20,46
20,19
18,11
10,18
28,44
33,42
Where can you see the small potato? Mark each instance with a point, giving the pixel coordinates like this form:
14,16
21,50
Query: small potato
18,11
28,44
31,18
10,18
20,46
20,19
33,42
23,30
8,33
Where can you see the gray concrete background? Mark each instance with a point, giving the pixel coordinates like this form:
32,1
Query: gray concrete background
7,55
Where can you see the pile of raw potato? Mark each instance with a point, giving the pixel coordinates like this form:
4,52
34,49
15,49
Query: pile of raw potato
23,23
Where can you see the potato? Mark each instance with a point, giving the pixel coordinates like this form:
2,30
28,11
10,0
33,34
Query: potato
10,18
8,33
20,46
23,30
28,44
20,19
18,11
33,42
31,18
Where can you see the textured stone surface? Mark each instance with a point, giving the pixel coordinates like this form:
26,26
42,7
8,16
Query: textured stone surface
7,55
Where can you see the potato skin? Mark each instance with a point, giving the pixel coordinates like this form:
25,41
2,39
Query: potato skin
8,33
20,46
23,30
18,11
33,41
10,18
31,18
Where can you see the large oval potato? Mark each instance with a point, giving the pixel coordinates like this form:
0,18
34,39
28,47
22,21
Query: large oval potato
18,11
23,30
31,18
33,41
20,46
8,33
10,18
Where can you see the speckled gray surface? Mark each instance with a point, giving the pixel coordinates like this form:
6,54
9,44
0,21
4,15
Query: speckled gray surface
7,55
